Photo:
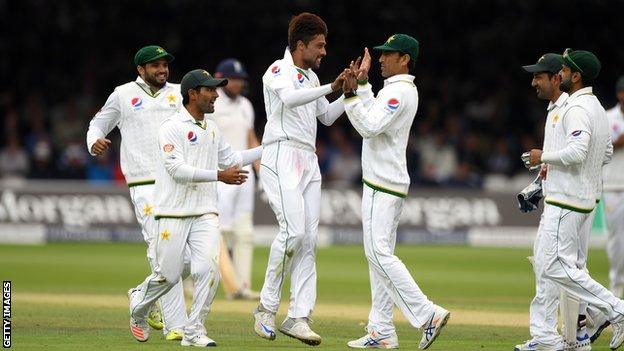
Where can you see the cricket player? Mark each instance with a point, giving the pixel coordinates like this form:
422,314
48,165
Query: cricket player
234,115
137,108
543,310
384,123
191,152
294,100
580,146
613,177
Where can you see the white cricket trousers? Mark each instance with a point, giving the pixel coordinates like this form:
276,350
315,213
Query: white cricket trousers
292,181
543,310
236,222
614,208
172,304
200,235
562,242
391,283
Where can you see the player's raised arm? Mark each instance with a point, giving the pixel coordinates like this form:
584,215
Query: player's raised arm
370,122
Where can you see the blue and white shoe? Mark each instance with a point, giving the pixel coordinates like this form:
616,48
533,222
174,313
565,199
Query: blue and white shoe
618,335
434,325
582,342
373,340
532,345
264,323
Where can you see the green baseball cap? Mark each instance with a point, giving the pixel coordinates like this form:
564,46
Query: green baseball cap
402,43
550,62
199,78
583,62
151,53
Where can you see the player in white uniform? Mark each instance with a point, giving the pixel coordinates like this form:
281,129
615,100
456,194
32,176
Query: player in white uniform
294,100
137,108
191,150
613,178
581,145
234,115
384,123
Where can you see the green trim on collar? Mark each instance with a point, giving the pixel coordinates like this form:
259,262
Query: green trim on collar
142,182
303,72
148,92
383,190
201,125
569,207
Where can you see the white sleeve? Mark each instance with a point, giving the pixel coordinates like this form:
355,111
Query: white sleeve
577,128
370,122
296,97
365,92
104,121
170,147
329,113
228,157
608,152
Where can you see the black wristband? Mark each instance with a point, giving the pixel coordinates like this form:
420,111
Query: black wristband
349,94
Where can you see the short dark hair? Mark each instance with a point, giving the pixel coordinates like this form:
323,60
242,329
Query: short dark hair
305,26
185,96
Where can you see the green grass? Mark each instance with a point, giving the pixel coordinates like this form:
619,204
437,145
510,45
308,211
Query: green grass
481,279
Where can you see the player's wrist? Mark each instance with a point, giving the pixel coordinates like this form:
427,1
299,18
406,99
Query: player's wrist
350,94
362,81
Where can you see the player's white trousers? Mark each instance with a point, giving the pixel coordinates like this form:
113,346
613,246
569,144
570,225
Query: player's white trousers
391,282
292,182
201,236
614,206
172,304
543,310
562,240
236,221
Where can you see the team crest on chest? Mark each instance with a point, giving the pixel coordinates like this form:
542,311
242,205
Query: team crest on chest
555,120
300,78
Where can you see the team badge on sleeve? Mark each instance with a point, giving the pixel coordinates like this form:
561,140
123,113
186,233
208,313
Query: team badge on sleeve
275,70
392,105
576,133
168,148
191,136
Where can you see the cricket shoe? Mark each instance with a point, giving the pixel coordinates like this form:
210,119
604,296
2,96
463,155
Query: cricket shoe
373,340
199,341
618,335
139,329
264,323
174,334
599,323
434,325
582,342
532,345
299,328
154,317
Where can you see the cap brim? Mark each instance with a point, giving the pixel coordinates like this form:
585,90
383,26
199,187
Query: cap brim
166,55
385,48
214,82
534,68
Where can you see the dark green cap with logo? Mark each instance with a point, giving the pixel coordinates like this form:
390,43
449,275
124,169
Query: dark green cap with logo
584,62
151,53
550,63
199,78
402,43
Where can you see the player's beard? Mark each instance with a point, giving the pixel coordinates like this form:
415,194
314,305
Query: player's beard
566,85
314,63
153,81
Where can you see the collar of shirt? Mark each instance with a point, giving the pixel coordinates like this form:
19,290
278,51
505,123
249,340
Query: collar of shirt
582,91
399,78
288,59
185,116
146,87
560,101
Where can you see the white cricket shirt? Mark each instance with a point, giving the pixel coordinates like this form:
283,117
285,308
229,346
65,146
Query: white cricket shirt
384,122
137,113
613,173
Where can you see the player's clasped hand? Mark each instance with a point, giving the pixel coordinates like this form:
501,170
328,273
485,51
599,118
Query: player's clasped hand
233,175
100,146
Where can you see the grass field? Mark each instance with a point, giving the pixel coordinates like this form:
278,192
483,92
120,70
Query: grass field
72,297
